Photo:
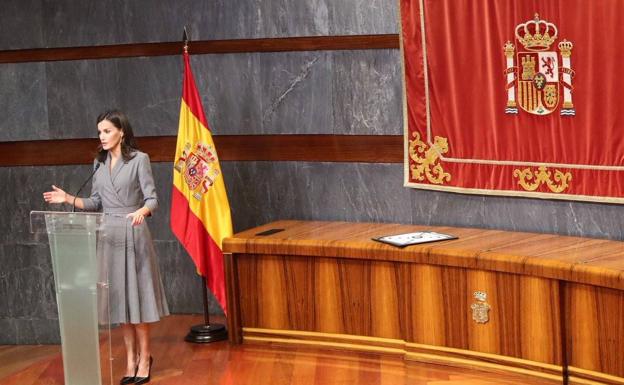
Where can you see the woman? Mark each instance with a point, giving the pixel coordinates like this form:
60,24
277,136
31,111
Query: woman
123,187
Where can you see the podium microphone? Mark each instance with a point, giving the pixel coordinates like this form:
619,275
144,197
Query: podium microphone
84,184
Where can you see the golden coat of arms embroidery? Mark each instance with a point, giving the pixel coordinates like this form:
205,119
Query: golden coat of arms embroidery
199,168
537,77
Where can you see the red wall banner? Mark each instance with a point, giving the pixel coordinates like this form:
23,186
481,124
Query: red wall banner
515,97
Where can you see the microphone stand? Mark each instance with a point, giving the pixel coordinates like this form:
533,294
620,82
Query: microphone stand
83,185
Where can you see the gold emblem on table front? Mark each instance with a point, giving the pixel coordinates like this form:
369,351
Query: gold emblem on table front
480,309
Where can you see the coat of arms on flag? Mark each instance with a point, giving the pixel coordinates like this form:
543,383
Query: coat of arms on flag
199,167
536,76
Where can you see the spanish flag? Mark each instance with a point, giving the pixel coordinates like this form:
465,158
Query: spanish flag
200,212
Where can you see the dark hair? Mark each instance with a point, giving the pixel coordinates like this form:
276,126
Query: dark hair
128,143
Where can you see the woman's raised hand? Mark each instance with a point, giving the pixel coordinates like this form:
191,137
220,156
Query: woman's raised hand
55,196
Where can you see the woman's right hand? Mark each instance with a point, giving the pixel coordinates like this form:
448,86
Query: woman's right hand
55,196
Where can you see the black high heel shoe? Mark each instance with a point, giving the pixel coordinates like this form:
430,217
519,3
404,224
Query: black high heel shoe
129,380
145,380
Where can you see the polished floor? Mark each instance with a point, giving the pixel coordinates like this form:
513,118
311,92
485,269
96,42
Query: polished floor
179,363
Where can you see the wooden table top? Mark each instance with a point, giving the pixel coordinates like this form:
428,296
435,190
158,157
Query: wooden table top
584,260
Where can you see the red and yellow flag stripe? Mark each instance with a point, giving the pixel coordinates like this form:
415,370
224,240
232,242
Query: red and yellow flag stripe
200,219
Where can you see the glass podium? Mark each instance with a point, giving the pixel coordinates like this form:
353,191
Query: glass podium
81,283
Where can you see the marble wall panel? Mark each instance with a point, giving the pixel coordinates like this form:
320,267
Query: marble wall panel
27,301
29,331
266,93
261,192
288,18
437,208
23,100
144,22
363,17
523,214
270,93
590,219
81,23
582,219
78,91
357,192
250,19
9,332
27,282
301,92
242,94
367,92
150,93
147,89
18,31
297,92
553,216
119,22
247,185
6,190
273,93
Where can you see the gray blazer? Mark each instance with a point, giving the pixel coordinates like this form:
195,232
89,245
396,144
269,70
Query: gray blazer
126,253
128,187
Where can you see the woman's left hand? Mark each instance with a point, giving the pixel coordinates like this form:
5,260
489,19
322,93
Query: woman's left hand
137,218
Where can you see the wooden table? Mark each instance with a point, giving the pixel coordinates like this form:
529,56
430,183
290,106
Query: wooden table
556,304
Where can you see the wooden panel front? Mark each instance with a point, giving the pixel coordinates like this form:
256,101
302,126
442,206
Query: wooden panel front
319,294
595,323
556,302
422,304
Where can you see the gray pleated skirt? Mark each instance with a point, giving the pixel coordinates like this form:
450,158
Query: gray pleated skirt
128,262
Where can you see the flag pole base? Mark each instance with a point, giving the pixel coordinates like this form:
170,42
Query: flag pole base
203,334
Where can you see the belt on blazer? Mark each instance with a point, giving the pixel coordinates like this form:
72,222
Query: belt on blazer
121,210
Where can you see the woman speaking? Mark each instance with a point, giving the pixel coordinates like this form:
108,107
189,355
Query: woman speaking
123,188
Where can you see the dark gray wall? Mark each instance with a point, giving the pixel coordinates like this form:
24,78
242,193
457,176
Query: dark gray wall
345,92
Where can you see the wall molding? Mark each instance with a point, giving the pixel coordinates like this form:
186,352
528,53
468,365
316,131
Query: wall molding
307,43
310,148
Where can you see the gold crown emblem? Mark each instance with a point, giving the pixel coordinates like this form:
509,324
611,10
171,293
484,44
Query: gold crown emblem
480,296
509,48
565,45
205,151
536,34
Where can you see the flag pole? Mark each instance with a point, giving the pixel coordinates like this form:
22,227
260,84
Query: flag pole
206,332
185,39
